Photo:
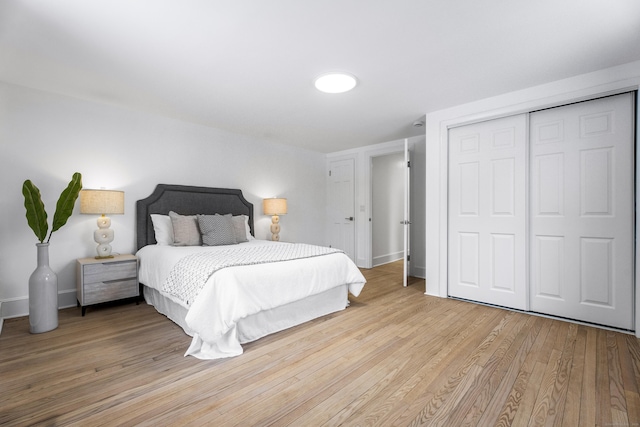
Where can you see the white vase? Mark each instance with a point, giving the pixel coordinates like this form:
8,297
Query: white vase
43,294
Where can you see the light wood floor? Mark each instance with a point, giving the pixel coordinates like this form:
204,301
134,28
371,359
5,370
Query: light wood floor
394,357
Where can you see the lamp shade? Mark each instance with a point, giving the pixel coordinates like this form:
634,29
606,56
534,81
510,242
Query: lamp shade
101,202
274,206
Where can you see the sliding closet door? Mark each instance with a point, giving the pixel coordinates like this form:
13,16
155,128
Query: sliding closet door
582,211
487,220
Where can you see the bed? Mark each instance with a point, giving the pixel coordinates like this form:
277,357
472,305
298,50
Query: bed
224,292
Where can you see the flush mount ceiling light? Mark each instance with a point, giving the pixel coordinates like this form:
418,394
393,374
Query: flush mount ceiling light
335,82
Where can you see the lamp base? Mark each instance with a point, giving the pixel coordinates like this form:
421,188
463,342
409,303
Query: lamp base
275,228
103,236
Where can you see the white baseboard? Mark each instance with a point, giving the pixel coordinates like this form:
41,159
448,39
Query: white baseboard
19,307
415,270
386,259
15,307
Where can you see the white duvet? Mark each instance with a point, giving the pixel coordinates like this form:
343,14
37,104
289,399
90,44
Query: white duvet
234,293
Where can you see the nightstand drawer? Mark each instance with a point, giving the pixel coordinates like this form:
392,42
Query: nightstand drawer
112,290
96,273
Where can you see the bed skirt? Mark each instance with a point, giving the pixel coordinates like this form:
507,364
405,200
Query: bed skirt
265,322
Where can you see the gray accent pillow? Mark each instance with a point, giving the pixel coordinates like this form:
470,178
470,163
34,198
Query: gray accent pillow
185,230
217,230
239,228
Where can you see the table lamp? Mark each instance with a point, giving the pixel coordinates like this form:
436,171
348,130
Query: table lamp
102,202
275,207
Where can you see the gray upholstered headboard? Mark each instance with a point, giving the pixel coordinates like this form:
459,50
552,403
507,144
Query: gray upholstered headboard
187,200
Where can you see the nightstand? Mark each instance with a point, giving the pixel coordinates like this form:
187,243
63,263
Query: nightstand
106,279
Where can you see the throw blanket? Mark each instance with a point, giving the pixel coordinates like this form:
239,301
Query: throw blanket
190,274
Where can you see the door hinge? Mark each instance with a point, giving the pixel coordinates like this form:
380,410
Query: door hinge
408,257
409,163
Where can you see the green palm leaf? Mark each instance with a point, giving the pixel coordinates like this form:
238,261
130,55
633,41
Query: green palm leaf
36,214
64,207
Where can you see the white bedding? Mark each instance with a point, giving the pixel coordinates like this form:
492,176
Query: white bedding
233,293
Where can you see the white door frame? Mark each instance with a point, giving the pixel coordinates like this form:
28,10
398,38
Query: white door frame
611,81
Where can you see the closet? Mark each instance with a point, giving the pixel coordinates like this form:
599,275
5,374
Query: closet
541,211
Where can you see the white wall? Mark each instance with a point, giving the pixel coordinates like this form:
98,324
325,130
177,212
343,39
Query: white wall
609,81
388,208
46,137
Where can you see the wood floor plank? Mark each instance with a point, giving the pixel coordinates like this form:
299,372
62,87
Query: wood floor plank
541,410
445,387
418,375
631,387
561,386
396,403
469,411
571,412
616,382
589,393
394,357
436,371
322,409
603,391
525,385
547,410
501,396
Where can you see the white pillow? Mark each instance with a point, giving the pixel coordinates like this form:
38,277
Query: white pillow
163,229
247,228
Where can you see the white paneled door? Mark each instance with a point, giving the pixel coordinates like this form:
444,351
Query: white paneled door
342,206
487,217
582,211
542,218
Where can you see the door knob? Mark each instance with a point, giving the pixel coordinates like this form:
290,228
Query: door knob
350,218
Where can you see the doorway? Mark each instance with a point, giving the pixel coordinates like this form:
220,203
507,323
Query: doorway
387,208
414,232
390,199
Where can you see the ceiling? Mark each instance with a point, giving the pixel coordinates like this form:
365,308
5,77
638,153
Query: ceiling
247,66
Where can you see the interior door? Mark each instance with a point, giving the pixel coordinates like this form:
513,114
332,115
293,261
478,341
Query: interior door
342,206
582,202
487,212
407,212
